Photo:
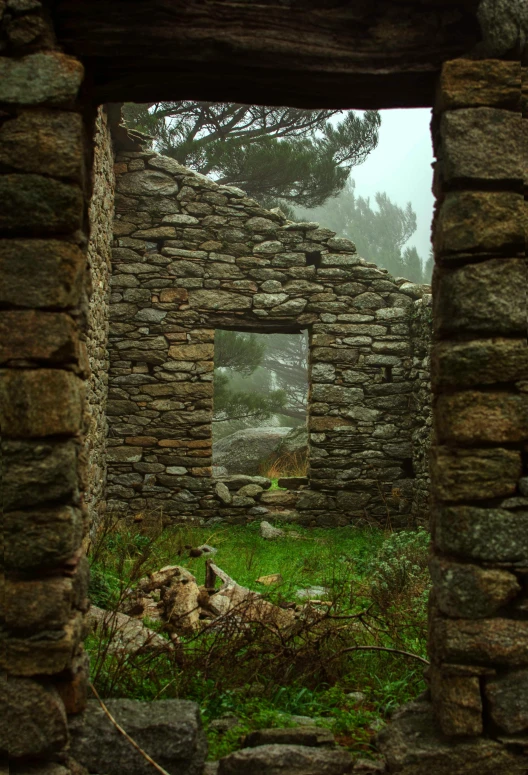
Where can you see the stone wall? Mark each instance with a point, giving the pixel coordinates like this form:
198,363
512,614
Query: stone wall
191,256
421,405
98,271
45,179
478,618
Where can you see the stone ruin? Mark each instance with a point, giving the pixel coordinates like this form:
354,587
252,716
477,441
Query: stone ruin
58,62
190,256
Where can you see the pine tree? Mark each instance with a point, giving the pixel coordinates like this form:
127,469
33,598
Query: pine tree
279,156
379,234
239,402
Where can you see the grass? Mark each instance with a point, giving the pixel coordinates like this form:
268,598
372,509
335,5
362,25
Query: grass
377,584
287,464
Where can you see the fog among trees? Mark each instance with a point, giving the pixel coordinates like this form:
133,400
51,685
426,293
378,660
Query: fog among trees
379,230
259,379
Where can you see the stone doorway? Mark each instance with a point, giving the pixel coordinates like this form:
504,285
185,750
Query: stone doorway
480,356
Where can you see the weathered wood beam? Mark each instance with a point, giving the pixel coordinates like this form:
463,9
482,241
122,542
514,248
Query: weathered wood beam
308,53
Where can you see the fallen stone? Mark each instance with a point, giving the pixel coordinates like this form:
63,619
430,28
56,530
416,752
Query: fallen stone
224,723
244,605
368,767
127,634
309,736
170,731
206,549
310,592
181,603
358,698
272,578
286,760
269,532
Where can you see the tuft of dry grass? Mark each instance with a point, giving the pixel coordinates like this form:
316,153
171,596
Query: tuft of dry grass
288,464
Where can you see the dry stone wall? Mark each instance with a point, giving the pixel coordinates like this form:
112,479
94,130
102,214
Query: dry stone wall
97,313
45,178
478,616
191,256
421,436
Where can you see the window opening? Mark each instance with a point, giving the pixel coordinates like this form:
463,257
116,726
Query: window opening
260,404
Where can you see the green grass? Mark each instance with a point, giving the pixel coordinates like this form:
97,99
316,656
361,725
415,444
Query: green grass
362,569
275,485
311,557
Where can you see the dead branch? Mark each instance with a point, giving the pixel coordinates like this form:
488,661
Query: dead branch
380,648
126,735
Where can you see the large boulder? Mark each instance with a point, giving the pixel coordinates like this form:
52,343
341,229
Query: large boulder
244,452
170,731
295,442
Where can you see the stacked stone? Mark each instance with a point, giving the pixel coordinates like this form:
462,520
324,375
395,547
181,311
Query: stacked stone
191,256
99,262
421,336
479,616
43,363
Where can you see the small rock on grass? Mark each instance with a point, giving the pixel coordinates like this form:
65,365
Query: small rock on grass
310,592
269,532
268,581
305,721
224,723
206,549
358,698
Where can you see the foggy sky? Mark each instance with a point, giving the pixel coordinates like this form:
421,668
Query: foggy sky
401,166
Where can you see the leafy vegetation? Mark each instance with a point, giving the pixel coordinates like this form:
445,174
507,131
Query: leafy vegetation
374,588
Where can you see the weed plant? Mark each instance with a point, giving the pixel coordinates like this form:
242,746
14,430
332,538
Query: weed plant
373,590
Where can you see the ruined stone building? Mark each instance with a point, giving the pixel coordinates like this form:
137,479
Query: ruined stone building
188,257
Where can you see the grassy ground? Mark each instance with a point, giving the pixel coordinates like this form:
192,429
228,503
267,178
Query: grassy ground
377,585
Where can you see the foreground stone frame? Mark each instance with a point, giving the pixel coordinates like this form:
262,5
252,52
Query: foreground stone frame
479,626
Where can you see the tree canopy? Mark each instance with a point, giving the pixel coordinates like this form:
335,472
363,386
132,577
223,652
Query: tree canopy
288,156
